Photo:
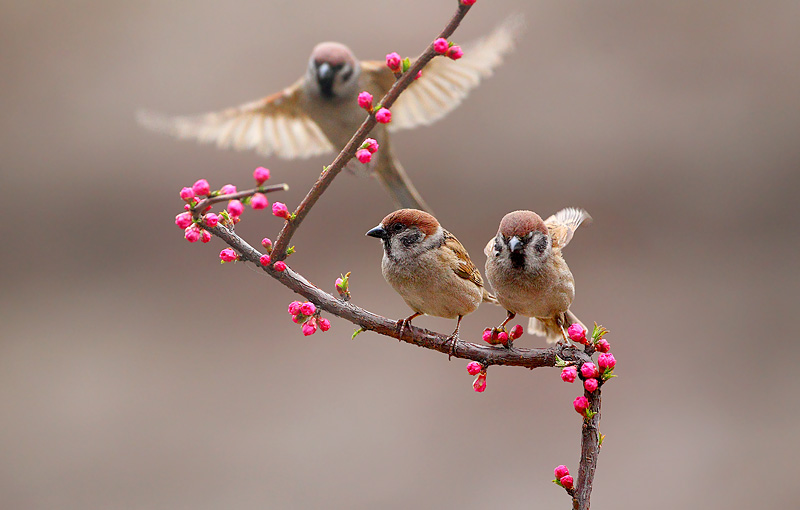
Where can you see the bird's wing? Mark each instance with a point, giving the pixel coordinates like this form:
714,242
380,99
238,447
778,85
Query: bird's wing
275,124
562,225
444,82
460,261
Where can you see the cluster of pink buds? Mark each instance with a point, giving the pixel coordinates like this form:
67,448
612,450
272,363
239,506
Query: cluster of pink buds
496,336
308,315
368,148
443,47
343,286
193,230
593,375
563,477
475,368
383,115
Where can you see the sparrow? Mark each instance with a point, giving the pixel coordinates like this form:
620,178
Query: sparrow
429,268
319,113
529,276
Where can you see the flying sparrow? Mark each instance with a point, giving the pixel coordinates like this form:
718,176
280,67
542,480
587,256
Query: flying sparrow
525,267
319,113
429,268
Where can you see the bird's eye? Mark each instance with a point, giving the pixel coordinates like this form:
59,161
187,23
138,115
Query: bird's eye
397,227
347,74
541,244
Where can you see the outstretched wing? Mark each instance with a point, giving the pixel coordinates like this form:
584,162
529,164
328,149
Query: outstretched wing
563,224
275,124
444,82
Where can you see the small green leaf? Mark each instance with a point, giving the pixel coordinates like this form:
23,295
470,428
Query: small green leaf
356,333
406,64
290,250
560,363
600,439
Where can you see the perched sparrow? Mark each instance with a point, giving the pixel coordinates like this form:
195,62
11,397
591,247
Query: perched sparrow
429,268
319,113
525,267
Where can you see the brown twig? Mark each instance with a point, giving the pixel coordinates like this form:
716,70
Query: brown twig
206,202
590,449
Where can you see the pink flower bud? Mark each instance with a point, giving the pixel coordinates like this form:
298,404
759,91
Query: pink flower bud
187,194
308,308
210,220
309,328
187,207
266,243
228,255
294,307
261,174
235,208
440,45
365,100
393,61
324,325
581,404
419,75
296,318
183,220
479,384
566,481
606,361
201,187
589,370
568,374
502,337
364,155
205,236
383,116
192,234
468,2
474,368
561,471
590,385
339,284
280,210
371,145
516,332
280,266
577,333
264,260
228,189
455,52
259,201
602,345
487,335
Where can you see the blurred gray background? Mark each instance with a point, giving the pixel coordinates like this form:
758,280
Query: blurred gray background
136,372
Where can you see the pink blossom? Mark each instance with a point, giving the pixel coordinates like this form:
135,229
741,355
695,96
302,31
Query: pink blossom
363,155
383,116
280,210
606,361
259,201
581,404
183,220
261,174
487,336
294,307
502,337
440,45
577,333
210,220
371,145
455,52
468,2
309,328
192,234
567,481
266,243
296,318
308,308
280,266
205,236
365,100
568,374
324,325
589,370
235,208
474,368
228,255
393,61
479,384
201,187
264,260
339,284
228,189
561,471
602,345
590,385
516,332
187,207
187,194
419,75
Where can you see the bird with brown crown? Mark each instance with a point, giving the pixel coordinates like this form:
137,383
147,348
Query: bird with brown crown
429,268
529,275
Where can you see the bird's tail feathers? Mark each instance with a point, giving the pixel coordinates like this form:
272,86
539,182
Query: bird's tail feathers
550,329
397,183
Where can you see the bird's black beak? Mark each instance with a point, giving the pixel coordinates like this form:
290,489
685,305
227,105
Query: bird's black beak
325,74
515,244
378,232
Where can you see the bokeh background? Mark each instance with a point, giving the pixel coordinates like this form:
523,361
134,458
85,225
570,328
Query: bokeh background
137,372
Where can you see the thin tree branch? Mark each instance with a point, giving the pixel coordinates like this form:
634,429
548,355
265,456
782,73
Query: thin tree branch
590,449
206,202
